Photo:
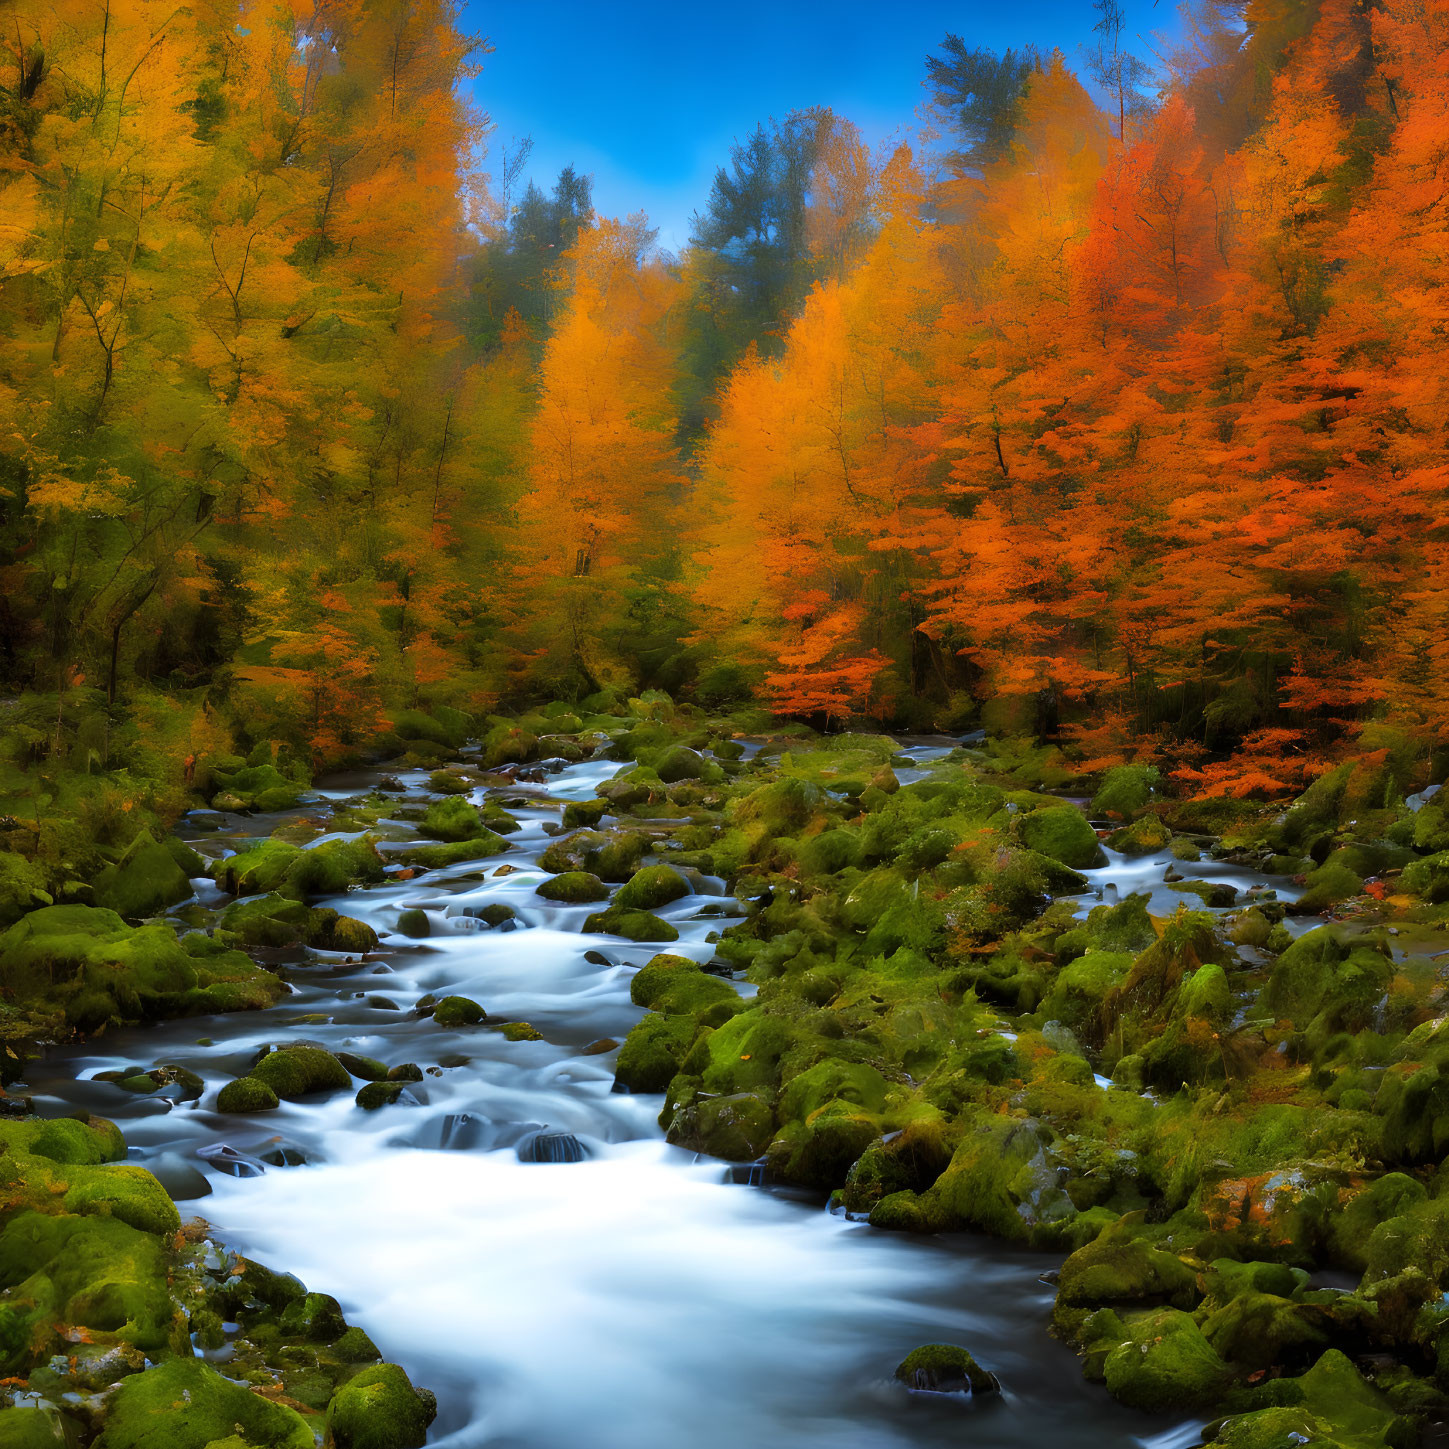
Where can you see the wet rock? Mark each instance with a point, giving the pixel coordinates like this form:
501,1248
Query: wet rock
651,887
453,819
598,1048
574,886
453,1011
293,1072
638,926
551,1147
368,1069
379,1409
405,1072
437,857
380,1094
945,1368
228,1160
521,1031
737,1128
183,1183
497,914
186,1404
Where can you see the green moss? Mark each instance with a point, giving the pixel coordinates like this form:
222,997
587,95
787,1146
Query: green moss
368,1069
97,969
64,1139
269,920
1142,837
355,1347
1083,985
187,1404
679,762
737,1128
458,1011
22,887
1166,1365
379,1409
945,1368
574,887
1116,1270
506,744
97,1271
414,923
126,1192
521,1031
652,1052
379,1094
631,925
584,812
1061,832
651,887
1001,1180
1428,878
35,1429
246,1094
819,1152
143,882
676,986
1125,790
437,857
1327,971
452,819
297,1071
1330,1405
1332,883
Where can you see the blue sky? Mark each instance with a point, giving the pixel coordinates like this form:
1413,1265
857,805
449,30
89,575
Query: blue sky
648,94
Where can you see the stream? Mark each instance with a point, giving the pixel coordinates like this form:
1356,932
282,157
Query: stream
638,1297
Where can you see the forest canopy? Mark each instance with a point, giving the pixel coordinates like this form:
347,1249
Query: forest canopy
1114,414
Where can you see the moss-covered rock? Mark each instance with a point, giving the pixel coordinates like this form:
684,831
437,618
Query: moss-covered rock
187,1404
380,1409
298,1071
375,1095
677,986
87,961
650,1057
1125,790
457,852
254,787
94,1271
458,1011
246,1094
414,923
631,925
507,744
574,887
1061,833
1166,1364
945,1368
143,882
651,887
452,819
737,1128
1429,878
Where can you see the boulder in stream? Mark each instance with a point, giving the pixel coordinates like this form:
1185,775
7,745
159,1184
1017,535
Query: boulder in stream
945,1368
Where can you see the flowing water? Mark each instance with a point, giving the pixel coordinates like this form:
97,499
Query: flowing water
520,1237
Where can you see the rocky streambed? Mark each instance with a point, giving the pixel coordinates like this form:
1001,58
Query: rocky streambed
506,1220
